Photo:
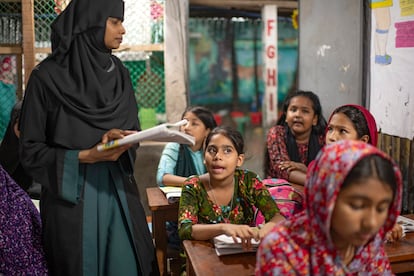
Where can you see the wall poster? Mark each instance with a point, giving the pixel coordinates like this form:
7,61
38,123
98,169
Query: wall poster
392,66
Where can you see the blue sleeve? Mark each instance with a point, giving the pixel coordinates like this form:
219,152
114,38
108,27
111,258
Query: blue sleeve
168,161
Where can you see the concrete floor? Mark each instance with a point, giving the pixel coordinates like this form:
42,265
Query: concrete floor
148,155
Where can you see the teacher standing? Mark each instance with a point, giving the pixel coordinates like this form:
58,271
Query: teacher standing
78,97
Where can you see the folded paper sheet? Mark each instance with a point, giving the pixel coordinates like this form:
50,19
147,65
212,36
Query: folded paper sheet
161,133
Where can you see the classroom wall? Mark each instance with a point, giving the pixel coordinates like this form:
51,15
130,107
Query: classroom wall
330,51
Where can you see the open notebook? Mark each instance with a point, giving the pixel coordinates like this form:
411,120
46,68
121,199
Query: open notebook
225,245
172,194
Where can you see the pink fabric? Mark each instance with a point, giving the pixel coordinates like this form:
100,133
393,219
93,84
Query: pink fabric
287,198
302,245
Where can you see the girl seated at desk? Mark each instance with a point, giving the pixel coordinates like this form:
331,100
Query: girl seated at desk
180,161
352,199
296,138
355,122
221,201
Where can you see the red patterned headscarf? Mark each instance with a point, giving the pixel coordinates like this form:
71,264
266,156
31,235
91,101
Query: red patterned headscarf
303,243
372,125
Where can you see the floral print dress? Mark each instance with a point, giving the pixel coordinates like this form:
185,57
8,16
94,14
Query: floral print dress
196,207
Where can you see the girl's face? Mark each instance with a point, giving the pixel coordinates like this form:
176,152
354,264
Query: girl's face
340,127
360,211
221,157
300,115
195,127
113,33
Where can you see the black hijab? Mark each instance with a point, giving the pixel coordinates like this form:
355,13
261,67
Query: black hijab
91,84
185,164
292,146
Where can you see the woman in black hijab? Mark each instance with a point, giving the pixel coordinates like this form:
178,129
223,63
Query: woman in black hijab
77,98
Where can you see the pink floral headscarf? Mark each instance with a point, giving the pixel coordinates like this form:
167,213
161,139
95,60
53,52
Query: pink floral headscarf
303,246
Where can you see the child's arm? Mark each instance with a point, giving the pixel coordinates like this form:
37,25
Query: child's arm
296,171
209,231
297,177
173,180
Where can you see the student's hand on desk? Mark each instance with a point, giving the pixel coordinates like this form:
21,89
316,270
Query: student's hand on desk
395,234
244,232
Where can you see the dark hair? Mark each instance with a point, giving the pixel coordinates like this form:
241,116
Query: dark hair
372,166
357,118
233,135
204,114
316,105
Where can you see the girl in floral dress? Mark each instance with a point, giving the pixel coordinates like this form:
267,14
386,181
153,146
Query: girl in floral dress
221,201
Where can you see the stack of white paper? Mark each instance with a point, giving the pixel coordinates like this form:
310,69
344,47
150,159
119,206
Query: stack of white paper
406,223
225,245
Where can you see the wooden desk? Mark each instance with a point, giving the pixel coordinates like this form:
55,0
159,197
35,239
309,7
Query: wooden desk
401,253
203,260
161,212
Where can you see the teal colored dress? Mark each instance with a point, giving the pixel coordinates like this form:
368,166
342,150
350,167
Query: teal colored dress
93,221
196,207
